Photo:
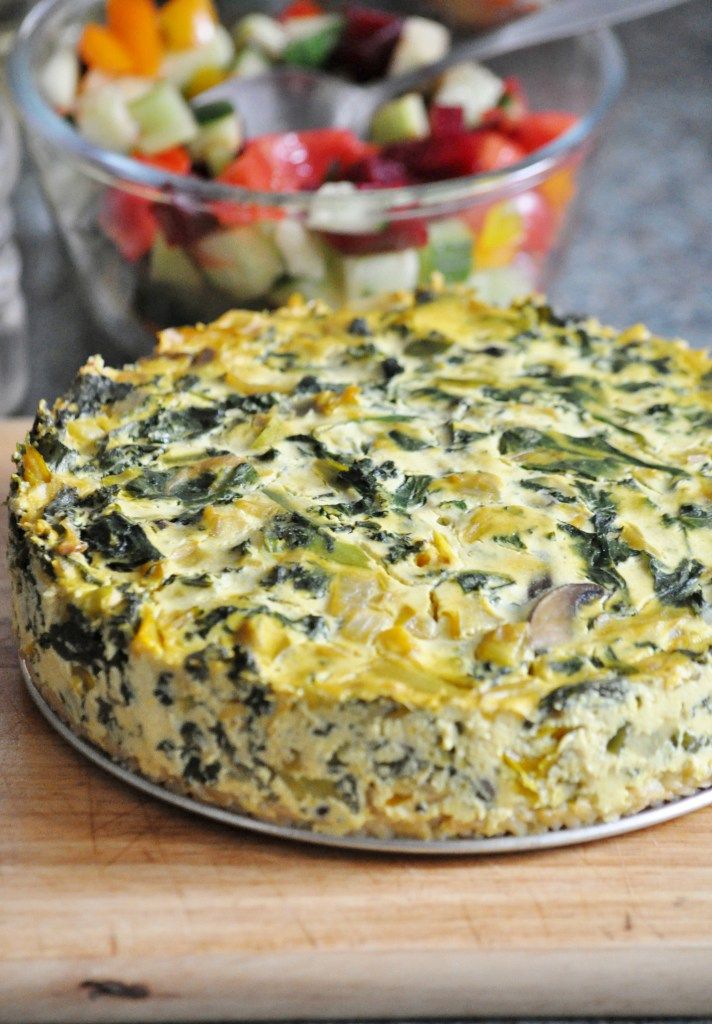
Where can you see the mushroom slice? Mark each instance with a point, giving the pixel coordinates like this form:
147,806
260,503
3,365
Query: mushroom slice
551,619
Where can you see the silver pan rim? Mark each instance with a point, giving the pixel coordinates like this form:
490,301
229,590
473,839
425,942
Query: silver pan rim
656,815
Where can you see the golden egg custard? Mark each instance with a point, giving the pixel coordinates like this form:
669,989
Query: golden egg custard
437,569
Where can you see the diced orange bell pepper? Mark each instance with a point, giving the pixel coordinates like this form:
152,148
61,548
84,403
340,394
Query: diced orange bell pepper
175,160
135,24
187,23
100,49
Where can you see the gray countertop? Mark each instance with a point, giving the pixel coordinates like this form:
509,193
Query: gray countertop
640,248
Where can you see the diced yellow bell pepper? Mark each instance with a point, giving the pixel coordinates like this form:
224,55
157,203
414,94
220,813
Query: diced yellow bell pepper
187,23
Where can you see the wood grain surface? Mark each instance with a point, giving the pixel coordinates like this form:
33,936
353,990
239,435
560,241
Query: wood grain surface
114,907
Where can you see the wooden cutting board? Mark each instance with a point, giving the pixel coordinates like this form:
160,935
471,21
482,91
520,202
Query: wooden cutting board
115,907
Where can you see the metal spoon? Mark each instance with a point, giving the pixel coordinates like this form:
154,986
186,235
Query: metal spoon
292,99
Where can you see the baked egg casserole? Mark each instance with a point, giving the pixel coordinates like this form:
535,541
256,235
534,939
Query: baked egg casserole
434,570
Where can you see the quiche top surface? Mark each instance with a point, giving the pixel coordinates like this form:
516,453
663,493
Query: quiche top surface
436,501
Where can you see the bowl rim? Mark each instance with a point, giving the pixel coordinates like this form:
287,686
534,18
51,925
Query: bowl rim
134,176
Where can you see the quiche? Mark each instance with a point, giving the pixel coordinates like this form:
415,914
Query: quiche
434,570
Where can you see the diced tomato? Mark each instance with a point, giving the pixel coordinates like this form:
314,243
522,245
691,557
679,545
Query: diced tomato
300,9
539,221
510,109
295,161
537,130
397,235
175,161
446,121
493,151
289,162
129,222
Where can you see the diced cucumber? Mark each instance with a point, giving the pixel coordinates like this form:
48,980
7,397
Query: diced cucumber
164,119
249,63
103,117
401,120
470,86
302,253
243,261
449,251
181,66
219,135
422,41
262,33
171,265
326,213
365,276
130,86
311,40
502,284
59,79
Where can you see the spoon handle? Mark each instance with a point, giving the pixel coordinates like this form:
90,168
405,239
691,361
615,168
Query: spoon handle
562,19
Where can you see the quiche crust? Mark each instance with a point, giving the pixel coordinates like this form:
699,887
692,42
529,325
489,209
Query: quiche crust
436,570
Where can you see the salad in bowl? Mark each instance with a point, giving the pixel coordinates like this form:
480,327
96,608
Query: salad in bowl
171,212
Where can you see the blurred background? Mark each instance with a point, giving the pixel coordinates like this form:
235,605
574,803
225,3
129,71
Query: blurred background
639,243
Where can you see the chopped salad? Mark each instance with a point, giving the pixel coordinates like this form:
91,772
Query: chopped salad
132,85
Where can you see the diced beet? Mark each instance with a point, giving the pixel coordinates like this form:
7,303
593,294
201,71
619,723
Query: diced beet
447,121
367,42
182,225
375,172
435,159
129,222
403,234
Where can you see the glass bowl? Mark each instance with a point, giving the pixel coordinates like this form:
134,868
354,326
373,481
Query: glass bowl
153,250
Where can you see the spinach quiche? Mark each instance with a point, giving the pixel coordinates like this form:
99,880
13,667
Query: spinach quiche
436,569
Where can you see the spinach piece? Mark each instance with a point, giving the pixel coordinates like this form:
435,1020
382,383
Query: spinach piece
123,543
614,689
590,457
475,580
64,500
506,394
390,368
168,425
75,639
540,485
288,531
520,439
250,404
412,491
680,587
407,442
207,488
314,581
430,345
113,461
91,391
595,552
461,438
208,620
510,540
694,517
359,327
56,454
